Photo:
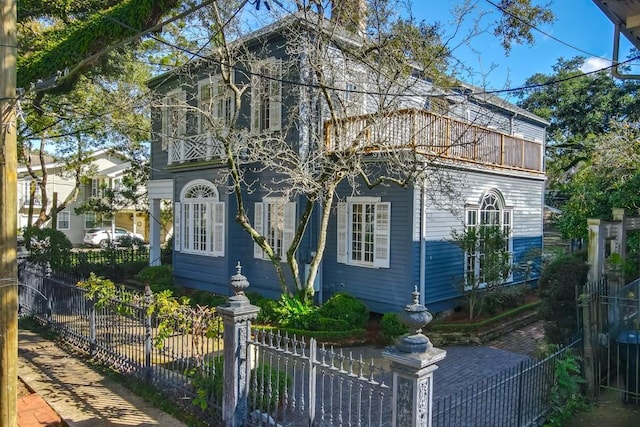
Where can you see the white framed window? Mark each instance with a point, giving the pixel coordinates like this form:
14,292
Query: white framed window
93,220
96,190
63,220
116,185
215,100
200,220
266,96
488,218
174,116
364,226
275,219
26,192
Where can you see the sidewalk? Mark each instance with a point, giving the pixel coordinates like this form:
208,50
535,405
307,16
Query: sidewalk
81,396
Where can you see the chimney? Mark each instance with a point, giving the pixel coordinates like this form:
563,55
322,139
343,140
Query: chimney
351,14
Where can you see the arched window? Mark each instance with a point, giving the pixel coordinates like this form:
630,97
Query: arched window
490,224
200,218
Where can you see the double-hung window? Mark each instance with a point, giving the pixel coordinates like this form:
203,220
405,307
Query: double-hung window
266,96
63,220
275,219
216,103
364,225
199,220
174,117
491,224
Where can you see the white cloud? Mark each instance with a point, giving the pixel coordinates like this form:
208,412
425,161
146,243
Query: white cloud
593,64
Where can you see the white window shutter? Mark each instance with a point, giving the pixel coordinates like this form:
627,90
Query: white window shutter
218,228
289,230
342,233
382,235
182,121
177,224
166,119
275,96
255,104
258,220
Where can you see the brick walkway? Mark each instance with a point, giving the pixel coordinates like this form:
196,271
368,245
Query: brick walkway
33,411
82,396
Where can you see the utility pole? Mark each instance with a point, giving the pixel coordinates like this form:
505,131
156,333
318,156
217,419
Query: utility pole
8,218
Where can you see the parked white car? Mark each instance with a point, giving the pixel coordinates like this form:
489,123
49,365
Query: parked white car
102,237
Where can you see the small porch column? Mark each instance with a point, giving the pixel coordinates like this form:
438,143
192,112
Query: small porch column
157,190
413,361
154,232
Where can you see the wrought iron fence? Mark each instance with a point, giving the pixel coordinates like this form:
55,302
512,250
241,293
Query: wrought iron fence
125,337
291,382
515,397
299,383
612,316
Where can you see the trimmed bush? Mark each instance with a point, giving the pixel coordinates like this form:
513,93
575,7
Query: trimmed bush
158,277
557,289
391,326
347,308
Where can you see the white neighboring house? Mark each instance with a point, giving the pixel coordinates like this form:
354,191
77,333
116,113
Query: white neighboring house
107,169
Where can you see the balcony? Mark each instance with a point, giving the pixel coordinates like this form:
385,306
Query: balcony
436,137
194,148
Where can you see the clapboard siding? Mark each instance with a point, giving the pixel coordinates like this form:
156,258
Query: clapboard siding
381,289
524,196
527,249
443,275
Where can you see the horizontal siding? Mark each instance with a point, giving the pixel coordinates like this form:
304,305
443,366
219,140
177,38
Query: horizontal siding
527,249
523,195
528,130
443,275
445,268
381,289
202,272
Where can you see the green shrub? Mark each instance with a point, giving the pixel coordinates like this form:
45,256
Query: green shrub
267,314
205,298
566,397
207,382
502,297
557,289
291,312
327,324
391,326
48,245
254,297
345,307
158,277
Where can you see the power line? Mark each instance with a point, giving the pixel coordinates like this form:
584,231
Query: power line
533,27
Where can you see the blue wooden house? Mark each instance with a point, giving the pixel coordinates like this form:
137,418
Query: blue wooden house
381,242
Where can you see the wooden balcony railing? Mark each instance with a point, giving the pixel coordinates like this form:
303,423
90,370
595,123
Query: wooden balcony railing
202,147
435,136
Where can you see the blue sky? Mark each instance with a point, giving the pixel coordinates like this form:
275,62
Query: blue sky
579,23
